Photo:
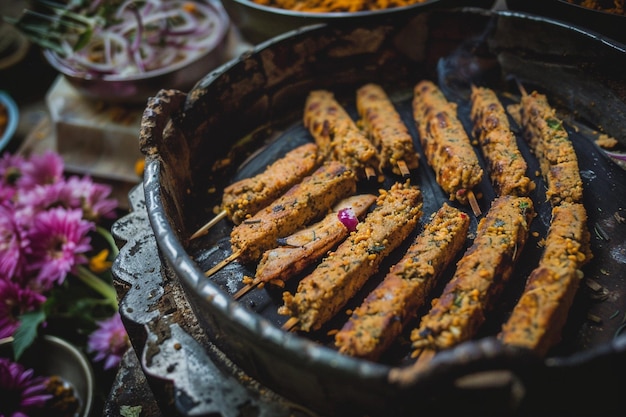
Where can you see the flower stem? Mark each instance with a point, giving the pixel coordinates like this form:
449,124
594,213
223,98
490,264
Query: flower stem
107,236
94,282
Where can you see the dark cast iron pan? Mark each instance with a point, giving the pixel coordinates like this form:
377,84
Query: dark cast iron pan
248,112
607,24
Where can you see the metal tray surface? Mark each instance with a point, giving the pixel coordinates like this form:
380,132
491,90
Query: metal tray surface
248,112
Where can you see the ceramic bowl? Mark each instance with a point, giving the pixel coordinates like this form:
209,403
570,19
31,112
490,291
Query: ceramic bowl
10,109
50,356
136,88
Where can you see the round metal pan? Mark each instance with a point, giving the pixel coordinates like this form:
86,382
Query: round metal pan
248,112
258,22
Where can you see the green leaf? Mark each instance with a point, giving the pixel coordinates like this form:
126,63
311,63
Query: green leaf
27,332
130,411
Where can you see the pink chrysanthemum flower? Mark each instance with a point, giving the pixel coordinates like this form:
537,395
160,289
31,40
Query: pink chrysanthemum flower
11,169
15,301
13,243
59,239
92,198
109,341
23,393
43,169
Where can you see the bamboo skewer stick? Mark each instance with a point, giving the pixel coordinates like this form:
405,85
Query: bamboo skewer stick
404,169
244,290
233,256
204,229
290,324
471,198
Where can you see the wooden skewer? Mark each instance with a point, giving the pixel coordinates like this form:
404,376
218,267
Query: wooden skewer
290,324
204,229
521,88
244,290
471,198
222,264
424,357
404,169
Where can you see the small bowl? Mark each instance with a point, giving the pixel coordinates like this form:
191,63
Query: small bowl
258,23
50,356
136,88
12,114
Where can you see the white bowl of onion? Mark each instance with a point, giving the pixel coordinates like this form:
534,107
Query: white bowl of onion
142,47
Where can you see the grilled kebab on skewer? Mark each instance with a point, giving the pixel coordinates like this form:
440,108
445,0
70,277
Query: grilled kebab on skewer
337,135
249,195
550,142
296,252
479,278
383,124
376,323
445,143
321,294
506,165
301,204
539,316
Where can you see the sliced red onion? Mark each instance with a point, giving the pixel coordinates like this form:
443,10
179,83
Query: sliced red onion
615,155
348,218
130,44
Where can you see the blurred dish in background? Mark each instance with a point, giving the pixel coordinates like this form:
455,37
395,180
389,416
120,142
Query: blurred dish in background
609,6
9,117
259,22
329,6
130,51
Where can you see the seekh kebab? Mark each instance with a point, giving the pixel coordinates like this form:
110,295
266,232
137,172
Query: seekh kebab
321,294
337,135
445,143
505,163
382,122
304,202
249,195
378,321
480,276
538,317
296,252
550,142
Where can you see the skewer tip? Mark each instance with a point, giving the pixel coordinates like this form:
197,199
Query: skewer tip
222,264
290,324
471,198
204,229
404,169
370,173
245,289
521,87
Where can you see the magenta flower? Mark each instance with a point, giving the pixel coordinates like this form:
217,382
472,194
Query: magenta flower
59,240
92,198
43,169
109,341
13,244
11,168
15,301
22,392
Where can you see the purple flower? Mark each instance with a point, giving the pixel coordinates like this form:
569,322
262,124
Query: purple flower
43,169
91,197
15,301
13,243
22,391
11,168
59,239
109,341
